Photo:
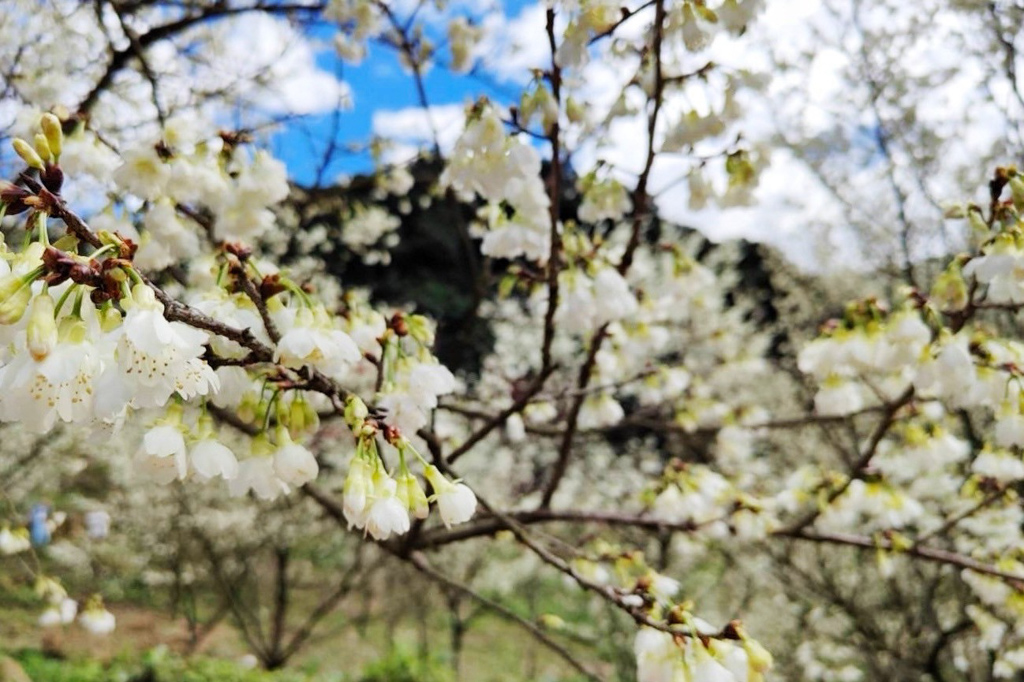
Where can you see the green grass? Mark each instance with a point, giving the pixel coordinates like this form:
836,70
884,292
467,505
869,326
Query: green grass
154,666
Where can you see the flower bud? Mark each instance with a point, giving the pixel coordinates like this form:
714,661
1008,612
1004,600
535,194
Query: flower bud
96,618
420,329
13,542
72,330
293,463
950,290
41,334
260,445
249,410
954,211
355,411
54,133
575,111
27,153
15,295
976,222
110,319
302,417
551,621
1017,192
455,501
411,494
356,491
42,147
759,659
50,589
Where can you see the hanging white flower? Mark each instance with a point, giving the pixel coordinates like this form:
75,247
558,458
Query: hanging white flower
163,456
257,473
97,620
455,501
62,612
386,515
294,464
13,542
210,458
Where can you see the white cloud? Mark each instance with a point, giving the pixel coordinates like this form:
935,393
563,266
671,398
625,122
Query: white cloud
510,48
413,128
285,60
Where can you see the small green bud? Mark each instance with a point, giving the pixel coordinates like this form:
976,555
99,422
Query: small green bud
41,333
117,275
706,13
976,222
741,171
759,659
27,153
110,319
420,329
411,494
261,446
1017,192
507,285
42,147
54,133
574,111
67,242
248,410
15,295
355,411
954,211
302,417
551,621
900,542
73,330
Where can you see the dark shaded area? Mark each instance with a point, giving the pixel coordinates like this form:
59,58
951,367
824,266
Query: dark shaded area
436,268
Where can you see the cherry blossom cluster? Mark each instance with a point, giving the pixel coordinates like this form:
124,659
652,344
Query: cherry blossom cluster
672,644
618,347
90,340
927,362
381,502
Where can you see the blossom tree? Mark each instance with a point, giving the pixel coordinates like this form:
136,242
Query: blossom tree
635,417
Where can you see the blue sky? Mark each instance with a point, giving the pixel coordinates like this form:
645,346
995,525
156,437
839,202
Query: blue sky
378,84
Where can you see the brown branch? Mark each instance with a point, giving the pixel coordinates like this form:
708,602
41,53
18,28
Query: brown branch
926,553
641,208
504,521
572,419
254,295
302,635
554,182
489,525
627,14
606,592
120,58
967,513
500,418
420,563
248,622
281,603
408,48
176,311
857,470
